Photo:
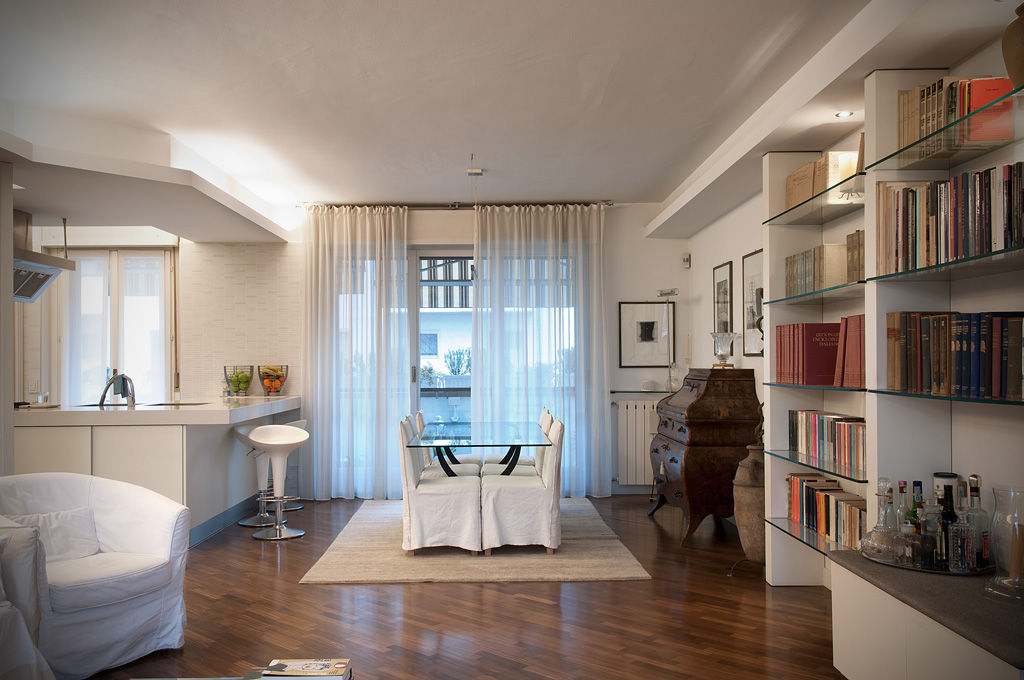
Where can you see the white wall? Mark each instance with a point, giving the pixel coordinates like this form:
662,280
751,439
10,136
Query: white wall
239,304
635,269
727,239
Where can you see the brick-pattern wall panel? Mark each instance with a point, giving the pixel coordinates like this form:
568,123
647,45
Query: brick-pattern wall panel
240,304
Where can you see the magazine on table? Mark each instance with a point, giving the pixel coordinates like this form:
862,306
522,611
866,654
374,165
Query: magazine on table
340,669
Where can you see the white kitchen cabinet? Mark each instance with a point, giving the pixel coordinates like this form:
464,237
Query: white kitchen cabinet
52,449
146,455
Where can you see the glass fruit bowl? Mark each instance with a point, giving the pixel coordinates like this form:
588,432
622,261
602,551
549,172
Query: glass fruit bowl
238,379
273,377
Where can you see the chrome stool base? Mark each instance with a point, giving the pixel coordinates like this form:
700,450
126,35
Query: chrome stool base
259,520
278,533
292,505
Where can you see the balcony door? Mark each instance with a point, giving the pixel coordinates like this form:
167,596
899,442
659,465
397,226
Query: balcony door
443,331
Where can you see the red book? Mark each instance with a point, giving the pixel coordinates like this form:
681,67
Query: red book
837,377
995,122
819,344
853,375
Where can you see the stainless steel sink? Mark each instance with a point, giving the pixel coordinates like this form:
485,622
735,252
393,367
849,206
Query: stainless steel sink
179,403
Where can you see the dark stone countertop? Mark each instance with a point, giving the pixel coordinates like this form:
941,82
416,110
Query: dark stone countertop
959,603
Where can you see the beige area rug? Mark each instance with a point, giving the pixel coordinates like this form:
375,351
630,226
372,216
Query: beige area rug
369,550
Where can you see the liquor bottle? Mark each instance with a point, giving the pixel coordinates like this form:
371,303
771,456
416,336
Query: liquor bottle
890,513
961,550
914,516
902,506
980,523
930,536
947,518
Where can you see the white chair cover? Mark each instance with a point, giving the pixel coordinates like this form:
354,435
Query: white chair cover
104,610
520,510
436,511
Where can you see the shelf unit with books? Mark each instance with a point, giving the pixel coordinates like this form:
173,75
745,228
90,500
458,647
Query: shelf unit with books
795,554
911,435
915,433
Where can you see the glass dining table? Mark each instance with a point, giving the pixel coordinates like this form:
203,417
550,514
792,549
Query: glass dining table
443,438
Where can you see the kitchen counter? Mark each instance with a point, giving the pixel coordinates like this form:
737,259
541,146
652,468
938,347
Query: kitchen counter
216,411
187,452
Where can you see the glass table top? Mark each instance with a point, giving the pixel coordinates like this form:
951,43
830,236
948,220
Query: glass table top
497,434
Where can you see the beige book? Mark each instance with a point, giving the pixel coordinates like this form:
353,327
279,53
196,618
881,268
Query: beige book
799,185
829,265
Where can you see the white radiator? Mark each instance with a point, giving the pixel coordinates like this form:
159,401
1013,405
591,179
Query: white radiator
638,423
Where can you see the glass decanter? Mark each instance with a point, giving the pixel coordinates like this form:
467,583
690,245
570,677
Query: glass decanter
1007,543
878,544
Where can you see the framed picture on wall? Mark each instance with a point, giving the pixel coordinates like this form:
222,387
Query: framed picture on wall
647,334
753,296
721,287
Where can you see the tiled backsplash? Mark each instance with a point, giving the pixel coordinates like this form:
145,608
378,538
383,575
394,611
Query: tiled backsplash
240,304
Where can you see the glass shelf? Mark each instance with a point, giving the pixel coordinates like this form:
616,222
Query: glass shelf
842,198
852,474
804,535
999,262
976,400
844,291
942,150
641,392
830,388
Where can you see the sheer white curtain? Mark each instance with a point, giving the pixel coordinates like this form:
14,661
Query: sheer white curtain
356,359
538,330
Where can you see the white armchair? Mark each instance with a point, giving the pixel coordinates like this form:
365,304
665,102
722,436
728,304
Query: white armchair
525,510
111,591
436,511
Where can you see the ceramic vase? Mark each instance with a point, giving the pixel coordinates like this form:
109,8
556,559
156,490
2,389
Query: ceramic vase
748,499
1013,48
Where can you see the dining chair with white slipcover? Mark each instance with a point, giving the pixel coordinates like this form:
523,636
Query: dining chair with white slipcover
431,468
436,511
525,510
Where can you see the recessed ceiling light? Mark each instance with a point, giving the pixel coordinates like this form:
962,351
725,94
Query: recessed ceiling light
844,114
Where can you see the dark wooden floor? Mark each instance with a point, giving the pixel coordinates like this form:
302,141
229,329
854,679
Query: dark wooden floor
692,620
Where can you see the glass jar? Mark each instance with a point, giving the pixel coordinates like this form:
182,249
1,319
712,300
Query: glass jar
1007,543
930,537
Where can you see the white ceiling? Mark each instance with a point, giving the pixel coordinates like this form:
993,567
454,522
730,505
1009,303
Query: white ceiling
370,101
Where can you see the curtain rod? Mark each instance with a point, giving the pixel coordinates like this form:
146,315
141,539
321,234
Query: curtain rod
456,205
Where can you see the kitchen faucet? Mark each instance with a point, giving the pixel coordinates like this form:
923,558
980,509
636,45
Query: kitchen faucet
123,386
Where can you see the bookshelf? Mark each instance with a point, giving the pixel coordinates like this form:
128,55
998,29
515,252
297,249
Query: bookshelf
909,435
795,555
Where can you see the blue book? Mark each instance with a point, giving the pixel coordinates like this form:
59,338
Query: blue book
974,340
985,361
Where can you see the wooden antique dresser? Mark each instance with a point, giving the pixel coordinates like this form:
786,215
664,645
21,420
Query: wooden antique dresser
703,432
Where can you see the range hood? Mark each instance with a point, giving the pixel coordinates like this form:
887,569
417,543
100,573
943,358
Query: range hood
33,272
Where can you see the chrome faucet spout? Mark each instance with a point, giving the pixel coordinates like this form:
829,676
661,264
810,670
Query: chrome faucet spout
122,385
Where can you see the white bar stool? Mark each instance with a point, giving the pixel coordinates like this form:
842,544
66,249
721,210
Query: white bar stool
278,441
295,505
261,518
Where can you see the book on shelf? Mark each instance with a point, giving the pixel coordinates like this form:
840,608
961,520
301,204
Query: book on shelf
921,224
341,669
800,185
825,265
926,109
832,168
821,505
806,353
849,368
828,438
950,354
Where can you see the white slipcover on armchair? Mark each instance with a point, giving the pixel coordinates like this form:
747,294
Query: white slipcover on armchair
525,510
108,597
436,511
